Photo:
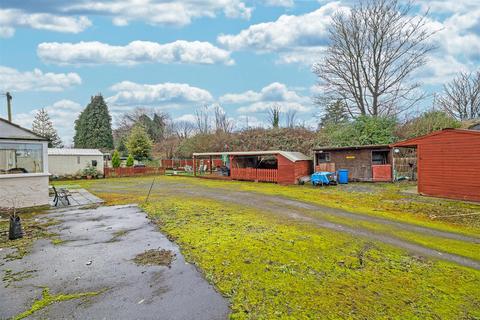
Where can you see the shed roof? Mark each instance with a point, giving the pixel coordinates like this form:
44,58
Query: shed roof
10,130
370,146
415,141
290,155
73,152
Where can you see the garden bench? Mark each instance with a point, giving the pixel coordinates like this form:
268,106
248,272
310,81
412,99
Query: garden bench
62,195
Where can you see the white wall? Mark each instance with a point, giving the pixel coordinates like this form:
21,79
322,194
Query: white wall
63,165
23,191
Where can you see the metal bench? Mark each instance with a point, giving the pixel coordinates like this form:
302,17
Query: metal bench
61,195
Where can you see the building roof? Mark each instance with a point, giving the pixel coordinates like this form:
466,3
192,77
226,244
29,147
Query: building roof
292,156
370,146
13,131
73,152
415,141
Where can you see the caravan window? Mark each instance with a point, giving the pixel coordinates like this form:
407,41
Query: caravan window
18,158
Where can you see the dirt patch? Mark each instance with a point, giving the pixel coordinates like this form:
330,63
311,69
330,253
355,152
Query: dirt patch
160,257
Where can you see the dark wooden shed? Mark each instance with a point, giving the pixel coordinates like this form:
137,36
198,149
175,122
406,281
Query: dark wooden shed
448,163
364,163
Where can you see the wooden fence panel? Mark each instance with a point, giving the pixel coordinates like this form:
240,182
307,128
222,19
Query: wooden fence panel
132,171
252,174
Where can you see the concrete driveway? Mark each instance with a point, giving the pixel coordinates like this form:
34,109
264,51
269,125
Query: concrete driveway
96,256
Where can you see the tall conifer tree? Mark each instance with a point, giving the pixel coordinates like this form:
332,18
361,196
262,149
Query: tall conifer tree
43,126
93,128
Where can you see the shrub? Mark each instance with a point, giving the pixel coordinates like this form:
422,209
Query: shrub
116,159
130,160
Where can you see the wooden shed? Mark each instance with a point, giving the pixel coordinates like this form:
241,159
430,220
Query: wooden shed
364,163
448,163
283,167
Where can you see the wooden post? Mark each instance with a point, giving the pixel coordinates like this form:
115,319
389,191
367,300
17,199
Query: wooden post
194,167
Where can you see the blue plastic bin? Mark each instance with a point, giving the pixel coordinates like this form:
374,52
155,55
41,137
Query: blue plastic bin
343,176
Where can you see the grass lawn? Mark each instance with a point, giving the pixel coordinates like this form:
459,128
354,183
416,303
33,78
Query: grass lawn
271,266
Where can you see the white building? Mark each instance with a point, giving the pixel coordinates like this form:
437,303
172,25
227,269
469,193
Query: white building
23,167
71,162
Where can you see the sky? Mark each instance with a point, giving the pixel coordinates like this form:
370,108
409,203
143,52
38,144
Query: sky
176,56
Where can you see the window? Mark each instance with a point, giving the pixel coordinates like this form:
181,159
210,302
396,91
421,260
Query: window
21,158
379,157
323,157
78,160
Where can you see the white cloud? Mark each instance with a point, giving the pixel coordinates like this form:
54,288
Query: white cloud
274,93
249,121
160,12
12,18
167,94
440,70
305,56
90,53
63,114
36,80
288,31
443,6
186,117
279,3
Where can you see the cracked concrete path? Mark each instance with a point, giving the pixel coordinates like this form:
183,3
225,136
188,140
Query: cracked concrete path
97,252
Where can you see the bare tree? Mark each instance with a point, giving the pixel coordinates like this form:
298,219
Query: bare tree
202,120
374,49
183,129
461,97
274,116
291,118
222,123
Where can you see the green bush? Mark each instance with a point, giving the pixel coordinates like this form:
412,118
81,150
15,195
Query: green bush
116,159
363,130
130,160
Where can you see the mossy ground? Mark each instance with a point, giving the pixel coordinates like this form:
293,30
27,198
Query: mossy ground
48,299
34,228
11,277
273,267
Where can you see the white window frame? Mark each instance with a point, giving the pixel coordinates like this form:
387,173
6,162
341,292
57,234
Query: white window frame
44,159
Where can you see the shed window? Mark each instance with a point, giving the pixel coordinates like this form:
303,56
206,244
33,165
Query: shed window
379,157
323,157
18,158
78,160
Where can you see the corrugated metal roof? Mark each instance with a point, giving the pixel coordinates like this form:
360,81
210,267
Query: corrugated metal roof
73,152
290,155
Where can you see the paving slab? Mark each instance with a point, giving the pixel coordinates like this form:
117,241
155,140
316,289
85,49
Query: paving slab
97,252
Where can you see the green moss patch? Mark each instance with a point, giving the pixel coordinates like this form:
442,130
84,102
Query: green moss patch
48,299
11,277
33,228
271,267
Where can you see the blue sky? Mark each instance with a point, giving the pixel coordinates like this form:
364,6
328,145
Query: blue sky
176,56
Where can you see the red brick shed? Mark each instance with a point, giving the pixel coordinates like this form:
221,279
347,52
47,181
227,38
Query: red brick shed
448,163
283,167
